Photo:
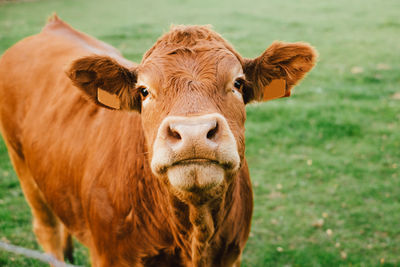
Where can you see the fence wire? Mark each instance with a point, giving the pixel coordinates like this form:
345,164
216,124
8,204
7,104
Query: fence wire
44,257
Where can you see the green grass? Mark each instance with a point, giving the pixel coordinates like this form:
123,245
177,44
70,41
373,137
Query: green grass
331,151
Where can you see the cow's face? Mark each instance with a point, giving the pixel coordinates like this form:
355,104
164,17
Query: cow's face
191,89
193,116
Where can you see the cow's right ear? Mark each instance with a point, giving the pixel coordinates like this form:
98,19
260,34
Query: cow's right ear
106,82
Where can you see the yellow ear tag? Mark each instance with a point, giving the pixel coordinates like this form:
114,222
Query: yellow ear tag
108,99
275,89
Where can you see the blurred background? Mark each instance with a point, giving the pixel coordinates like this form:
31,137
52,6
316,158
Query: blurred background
325,163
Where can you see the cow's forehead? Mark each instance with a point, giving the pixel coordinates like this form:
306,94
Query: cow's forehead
188,54
216,66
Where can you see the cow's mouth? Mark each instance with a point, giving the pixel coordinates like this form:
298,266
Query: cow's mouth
200,173
204,161
195,161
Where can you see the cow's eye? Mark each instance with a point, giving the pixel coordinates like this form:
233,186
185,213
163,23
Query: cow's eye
237,91
238,84
144,92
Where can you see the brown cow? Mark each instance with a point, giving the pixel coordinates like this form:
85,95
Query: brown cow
163,181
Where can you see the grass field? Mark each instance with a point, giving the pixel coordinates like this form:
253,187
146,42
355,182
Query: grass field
325,163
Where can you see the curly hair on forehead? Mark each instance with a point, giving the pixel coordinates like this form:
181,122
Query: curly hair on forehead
189,39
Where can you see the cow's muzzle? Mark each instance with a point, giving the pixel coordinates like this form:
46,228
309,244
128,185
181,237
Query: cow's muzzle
195,151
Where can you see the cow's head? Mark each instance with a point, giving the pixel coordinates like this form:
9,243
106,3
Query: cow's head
191,89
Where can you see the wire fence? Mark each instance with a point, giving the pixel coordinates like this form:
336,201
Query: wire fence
44,257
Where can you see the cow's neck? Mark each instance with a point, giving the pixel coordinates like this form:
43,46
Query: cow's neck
203,228
204,222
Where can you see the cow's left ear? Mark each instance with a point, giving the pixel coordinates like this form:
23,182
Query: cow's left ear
274,73
106,82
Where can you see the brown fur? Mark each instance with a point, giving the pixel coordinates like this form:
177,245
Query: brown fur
86,169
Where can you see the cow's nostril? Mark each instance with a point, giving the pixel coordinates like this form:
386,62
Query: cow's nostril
212,132
174,134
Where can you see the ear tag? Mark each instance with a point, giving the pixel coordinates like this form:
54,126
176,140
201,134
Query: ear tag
108,99
275,89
